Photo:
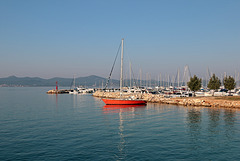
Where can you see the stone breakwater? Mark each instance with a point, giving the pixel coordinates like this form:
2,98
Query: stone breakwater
190,101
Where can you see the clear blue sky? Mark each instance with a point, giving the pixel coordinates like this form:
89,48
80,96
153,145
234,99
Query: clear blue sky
59,38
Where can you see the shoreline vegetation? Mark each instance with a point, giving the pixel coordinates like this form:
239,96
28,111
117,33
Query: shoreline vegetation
212,101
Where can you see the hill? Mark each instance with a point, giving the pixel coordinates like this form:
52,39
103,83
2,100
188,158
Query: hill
90,81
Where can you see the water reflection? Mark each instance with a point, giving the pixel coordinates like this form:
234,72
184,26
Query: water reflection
208,125
214,120
229,117
194,119
229,120
120,110
54,97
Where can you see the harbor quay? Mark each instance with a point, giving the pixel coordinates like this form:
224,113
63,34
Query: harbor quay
212,101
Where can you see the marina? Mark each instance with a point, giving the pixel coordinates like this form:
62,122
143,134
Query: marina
133,80
160,94
185,98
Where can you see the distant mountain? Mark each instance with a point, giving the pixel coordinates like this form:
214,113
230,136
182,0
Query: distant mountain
90,81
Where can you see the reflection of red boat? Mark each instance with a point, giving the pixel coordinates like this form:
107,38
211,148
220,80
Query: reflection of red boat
123,102
121,108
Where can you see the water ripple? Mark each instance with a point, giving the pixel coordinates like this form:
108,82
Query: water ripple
36,126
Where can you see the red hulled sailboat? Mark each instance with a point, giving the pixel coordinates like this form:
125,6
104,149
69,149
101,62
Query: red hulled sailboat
123,101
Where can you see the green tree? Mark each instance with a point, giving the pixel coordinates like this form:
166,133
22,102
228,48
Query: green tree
214,82
229,83
195,83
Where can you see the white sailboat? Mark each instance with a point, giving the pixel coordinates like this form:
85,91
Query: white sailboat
74,90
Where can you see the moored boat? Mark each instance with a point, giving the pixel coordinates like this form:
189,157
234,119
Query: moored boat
122,101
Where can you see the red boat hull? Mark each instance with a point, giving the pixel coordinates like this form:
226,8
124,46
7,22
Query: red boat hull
123,102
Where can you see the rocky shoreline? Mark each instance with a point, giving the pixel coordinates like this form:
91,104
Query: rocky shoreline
226,102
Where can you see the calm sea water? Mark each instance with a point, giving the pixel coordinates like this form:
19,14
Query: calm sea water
37,126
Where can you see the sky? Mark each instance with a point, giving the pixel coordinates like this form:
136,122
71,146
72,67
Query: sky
60,38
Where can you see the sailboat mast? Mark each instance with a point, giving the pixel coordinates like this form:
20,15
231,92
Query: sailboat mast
178,76
130,74
73,81
121,76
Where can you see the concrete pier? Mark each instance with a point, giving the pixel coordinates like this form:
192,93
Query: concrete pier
53,91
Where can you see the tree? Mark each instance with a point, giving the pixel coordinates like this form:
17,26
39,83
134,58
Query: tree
229,83
214,82
195,83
